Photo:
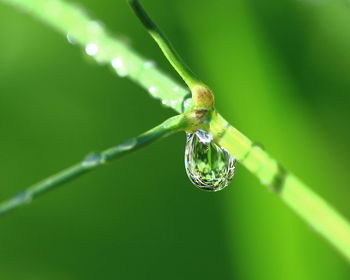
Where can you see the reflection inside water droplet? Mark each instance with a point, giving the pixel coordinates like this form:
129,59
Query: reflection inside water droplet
208,166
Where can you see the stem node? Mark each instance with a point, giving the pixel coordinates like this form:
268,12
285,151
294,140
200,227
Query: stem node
202,97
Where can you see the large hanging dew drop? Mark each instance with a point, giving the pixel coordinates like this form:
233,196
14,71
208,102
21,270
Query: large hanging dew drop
208,166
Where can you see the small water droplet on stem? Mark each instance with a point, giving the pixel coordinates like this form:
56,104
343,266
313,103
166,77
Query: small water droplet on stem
91,49
94,160
127,145
119,67
70,39
152,90
22,197
149,64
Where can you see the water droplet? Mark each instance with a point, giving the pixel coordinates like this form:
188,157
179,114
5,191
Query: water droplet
94,160
173,103
91,49
127,145
149,64
94,26
208,166
176,89
119,67
152,90
21,198
117,62
164,102
70,39
186,104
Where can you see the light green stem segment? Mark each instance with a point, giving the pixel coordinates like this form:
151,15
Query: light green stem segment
67,19
165,45
313,209
93,161
72,21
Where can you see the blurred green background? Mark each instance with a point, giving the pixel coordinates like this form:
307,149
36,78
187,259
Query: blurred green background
280,71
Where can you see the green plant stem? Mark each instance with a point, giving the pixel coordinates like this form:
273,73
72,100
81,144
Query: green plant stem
72,22
202,97
270,173
165,45
92,162
307,204
68,19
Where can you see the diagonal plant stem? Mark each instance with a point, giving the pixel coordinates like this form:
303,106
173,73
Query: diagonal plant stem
323,218
202,97
92,162
67,19
165,45
71,21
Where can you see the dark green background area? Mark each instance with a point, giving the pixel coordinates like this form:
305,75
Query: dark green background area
281,74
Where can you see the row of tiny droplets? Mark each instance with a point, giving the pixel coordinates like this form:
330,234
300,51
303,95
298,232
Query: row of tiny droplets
105,50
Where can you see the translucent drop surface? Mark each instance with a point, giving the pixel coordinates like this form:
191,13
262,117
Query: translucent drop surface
208,166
